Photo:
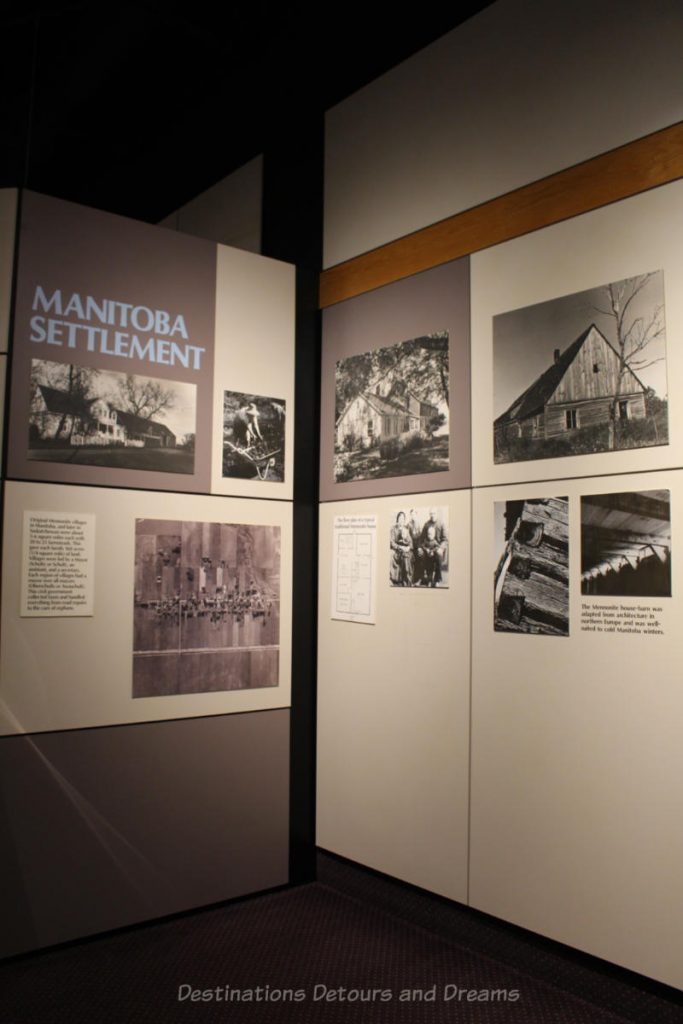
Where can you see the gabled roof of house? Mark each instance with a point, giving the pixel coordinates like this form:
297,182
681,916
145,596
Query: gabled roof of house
535,397
61,403
389,406
139,425
385,406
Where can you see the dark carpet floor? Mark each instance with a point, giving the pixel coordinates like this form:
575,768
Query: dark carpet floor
318,953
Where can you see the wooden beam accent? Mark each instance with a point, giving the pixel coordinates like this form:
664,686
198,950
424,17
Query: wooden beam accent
635,503
636,167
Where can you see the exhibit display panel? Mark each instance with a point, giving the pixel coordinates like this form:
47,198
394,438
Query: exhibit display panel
3,379
8,217
393,696
576,831
575,361
190,610
464,120
395,403
125,345
229,212
146,641
103,828
253,376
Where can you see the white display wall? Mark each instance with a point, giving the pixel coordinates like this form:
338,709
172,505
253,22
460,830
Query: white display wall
90,683
393,703
578,257
576,825
465,119
549,771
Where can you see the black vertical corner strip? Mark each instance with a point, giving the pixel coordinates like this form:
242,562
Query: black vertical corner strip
292,231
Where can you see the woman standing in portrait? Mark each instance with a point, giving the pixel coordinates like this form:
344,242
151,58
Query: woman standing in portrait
402,559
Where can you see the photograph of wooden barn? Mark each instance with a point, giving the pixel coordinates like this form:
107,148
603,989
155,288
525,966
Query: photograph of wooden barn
96,417
391,410
207,607
599,393
531,580
626,544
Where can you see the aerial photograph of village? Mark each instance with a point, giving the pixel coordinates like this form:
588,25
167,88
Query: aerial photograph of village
583,373
207,607
92,417
391,410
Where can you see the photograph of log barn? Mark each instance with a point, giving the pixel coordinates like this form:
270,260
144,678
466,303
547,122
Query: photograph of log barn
626,544
85,415
601,392
206,608
391,410
531,580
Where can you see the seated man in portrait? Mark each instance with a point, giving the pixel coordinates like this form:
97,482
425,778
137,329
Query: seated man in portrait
431,550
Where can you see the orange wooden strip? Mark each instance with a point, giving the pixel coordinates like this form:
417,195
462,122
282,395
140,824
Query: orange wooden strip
646,163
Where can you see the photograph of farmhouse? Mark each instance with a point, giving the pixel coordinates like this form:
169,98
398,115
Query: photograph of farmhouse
207,607
391,410
92,417
583,373
253,437
531,580
626,544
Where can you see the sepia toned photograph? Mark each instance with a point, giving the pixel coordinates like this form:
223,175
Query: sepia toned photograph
253,437
391,410
583,373
207,607
91,417
418,543
531,580
626,544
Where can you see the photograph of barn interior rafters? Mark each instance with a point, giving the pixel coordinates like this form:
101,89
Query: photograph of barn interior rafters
597,364
626,544
207,607
391,410
531,580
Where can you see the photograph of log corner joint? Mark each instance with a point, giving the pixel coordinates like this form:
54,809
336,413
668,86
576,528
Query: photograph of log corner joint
531,583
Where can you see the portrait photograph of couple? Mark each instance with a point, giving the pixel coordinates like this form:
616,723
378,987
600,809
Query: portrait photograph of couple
419,548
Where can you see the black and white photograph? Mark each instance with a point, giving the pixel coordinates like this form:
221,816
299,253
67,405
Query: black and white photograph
207,607
253,437
391,410
418,543
91,417
626,544
583,373
531,579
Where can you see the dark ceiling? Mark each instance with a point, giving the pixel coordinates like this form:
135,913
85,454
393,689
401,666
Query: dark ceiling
136,108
